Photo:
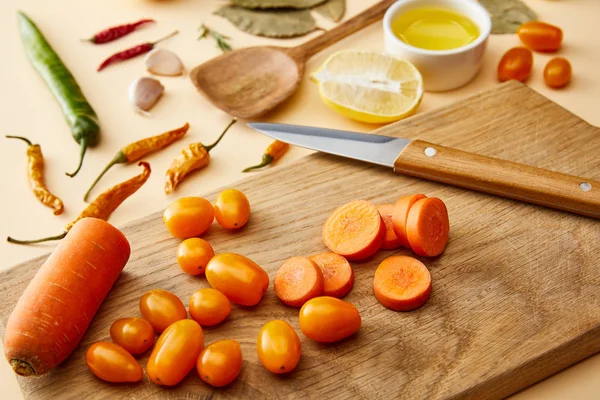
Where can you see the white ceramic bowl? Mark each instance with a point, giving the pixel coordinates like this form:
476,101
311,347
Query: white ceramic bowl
441,69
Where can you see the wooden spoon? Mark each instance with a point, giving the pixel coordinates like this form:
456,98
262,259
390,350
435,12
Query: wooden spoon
249,82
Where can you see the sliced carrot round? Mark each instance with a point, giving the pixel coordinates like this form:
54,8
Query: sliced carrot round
354,230
427,227
338,276
402,283
298,280
400,215
391,240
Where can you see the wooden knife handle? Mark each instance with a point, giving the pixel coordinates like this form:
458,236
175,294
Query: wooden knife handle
499,177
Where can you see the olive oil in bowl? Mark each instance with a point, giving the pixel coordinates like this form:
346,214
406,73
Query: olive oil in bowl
435,29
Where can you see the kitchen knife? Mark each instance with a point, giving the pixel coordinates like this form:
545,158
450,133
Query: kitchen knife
455,167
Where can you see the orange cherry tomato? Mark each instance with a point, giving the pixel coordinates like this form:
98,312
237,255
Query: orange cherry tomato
232,209
161,308
240,279
175,353
220,363
327,319
209,307
516,64
278,347
557,72
189,217
136,335
540,36
193,254
112,363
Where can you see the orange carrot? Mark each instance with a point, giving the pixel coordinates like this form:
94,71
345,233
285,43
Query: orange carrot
427,227
298,280
354,230
59,303
401,213
391,240
402,283
338,276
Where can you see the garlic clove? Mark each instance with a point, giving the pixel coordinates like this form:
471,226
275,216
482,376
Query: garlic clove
144,93
163,62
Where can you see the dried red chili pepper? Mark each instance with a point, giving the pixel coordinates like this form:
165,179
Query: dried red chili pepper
117,32
133,52
103,206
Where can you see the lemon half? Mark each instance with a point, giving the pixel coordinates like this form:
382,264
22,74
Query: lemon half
368,86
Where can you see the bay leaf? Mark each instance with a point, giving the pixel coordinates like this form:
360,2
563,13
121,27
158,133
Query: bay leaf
332,9
508,15
277,3
270,23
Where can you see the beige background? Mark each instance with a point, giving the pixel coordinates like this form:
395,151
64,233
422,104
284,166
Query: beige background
27,108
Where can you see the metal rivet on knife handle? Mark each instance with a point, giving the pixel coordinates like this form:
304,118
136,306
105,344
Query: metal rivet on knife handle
585,186
430,152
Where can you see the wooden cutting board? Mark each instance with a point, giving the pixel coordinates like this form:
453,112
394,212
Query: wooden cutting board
516,295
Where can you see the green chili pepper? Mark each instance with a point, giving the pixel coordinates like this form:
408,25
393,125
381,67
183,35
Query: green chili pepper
78,113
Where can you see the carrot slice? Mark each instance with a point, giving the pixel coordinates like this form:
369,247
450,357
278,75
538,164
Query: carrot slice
401,213
354,230
402,283
298,280
338,277
427,227
391,240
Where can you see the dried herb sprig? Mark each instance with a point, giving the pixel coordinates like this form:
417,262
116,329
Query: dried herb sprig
220,39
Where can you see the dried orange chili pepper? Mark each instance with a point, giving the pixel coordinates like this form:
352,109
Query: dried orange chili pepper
274,152
103,206
35,174
136,150
192,157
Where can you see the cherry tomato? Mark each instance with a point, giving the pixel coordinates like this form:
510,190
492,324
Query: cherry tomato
193,254
238,278
540,36
557,72
209,307
112,363
189,217
232,209
136,335
327,319
175,353
278,347
161,308
516,63
220,363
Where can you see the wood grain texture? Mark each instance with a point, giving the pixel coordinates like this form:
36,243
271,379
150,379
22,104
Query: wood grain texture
504,178
247,83
516,295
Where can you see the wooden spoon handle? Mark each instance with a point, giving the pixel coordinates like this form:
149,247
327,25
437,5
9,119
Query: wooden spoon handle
367,17
499,177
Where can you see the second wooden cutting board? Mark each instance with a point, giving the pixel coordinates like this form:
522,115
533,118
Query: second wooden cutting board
516,295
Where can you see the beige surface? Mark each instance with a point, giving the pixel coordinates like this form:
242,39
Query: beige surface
26,108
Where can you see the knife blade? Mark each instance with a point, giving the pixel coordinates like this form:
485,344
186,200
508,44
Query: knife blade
450,166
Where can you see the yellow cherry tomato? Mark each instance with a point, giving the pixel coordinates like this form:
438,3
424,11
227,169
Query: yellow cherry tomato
240,279
193,254
161,308
209,307
220,363
175,353
278,347
112,363
232,209
136,335
327,319
189,217
557,72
